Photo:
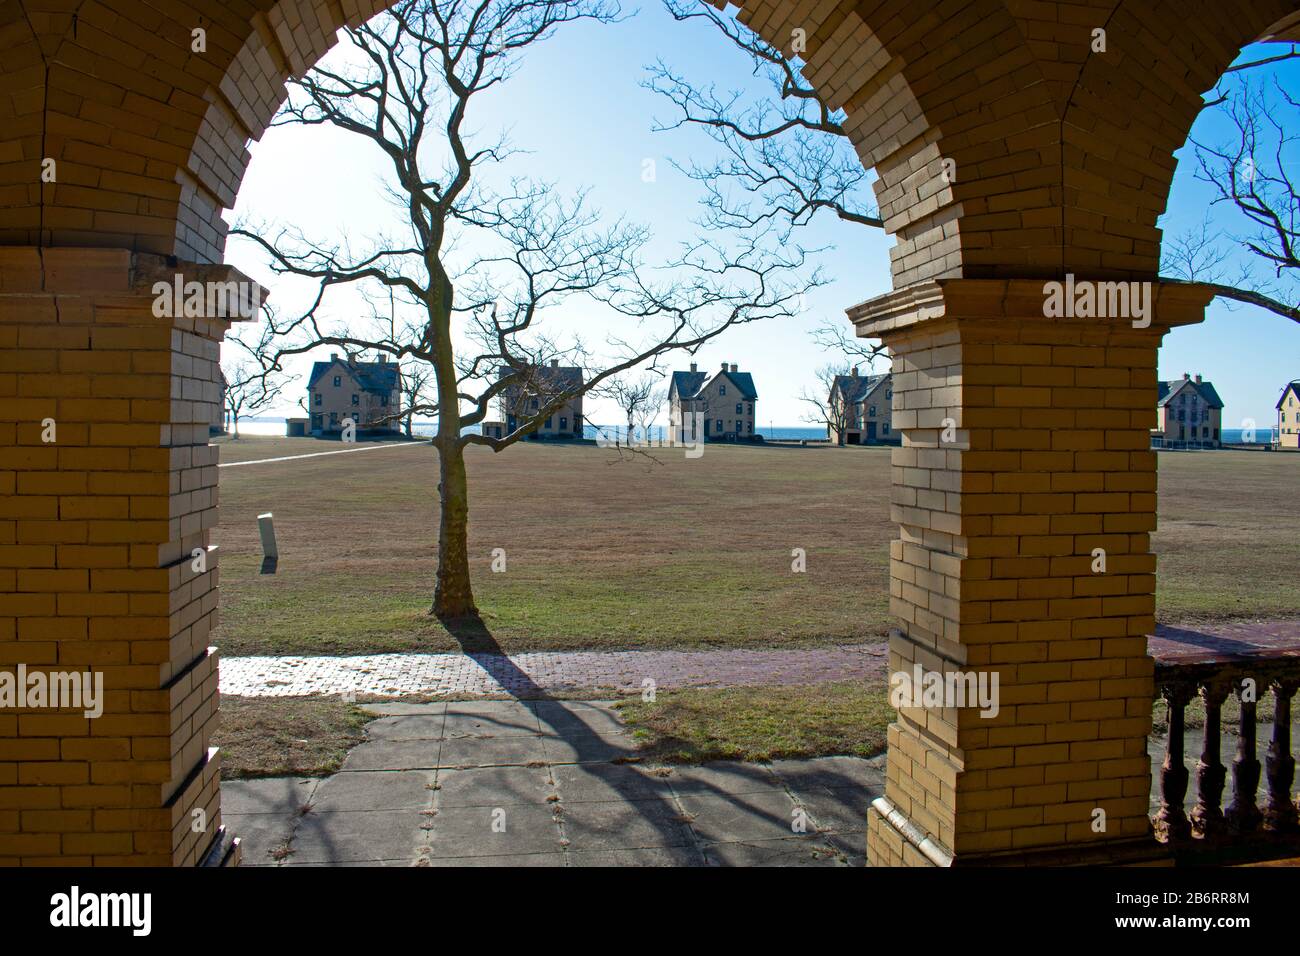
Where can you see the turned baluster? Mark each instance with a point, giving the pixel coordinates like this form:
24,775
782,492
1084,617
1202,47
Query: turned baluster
1243,814
1281,814
1171,820
1207,815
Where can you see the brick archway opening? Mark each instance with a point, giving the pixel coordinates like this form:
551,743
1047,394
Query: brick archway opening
1025,438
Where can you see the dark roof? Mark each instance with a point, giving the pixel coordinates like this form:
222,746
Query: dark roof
1291,387
1166,391
377,377
855,388
743,381
687,384
547,376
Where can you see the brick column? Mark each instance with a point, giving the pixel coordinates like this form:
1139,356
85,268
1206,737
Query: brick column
107,493
1025,448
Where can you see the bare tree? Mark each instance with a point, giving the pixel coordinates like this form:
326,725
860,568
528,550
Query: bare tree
826,405
477,265
247,384
417,378
634,396
1254,257
786,156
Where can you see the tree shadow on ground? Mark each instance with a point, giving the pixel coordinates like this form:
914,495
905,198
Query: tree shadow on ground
661,810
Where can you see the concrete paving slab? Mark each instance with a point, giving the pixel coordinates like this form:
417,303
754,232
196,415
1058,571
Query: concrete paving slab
497,718
358,836
526,859
593,717
827,773
595,783
267,795
261,834
406,727
808,850
625,825
493,751
647,856
375,790
839,810
494,831
588,748
494,787
394,755
723,776
740,816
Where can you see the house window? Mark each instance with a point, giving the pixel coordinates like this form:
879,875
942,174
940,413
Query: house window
564,424
535,405
739,408
889,393
383,401
356,399
871,413
318,398
719,426
548,422
722,390
338,380
886,428
749,409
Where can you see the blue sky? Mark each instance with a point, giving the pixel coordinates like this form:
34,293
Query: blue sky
577,106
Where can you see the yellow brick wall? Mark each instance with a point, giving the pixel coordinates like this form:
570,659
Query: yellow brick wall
97,529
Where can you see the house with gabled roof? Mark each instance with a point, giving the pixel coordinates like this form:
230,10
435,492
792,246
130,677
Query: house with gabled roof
861,410
1189,412
527,393
1288,417
717,408
367,393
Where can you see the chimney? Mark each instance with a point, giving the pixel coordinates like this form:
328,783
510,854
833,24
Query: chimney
383,360
555,363
724,366
855,371
735,368
1198,378
1186,376
693,368
334,356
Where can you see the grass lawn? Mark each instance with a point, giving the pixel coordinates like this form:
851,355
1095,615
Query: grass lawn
610,553
761,723
278,736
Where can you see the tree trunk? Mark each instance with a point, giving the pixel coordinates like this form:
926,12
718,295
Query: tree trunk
453,596
408,425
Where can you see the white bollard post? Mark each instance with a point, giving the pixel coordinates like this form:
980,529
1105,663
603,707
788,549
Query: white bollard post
270,553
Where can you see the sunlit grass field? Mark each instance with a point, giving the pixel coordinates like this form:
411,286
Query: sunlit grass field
609,552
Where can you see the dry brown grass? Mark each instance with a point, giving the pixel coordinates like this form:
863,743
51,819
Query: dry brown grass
613,553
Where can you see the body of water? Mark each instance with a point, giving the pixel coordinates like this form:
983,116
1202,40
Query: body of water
275,426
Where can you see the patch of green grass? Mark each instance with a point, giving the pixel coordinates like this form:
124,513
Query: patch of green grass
286,736
761,723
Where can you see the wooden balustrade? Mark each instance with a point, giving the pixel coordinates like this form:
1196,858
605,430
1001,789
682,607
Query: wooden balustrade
1210,827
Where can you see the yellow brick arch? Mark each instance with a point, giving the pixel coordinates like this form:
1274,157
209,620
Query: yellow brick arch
1060,157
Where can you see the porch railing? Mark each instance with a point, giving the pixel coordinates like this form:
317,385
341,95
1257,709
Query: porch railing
1248,827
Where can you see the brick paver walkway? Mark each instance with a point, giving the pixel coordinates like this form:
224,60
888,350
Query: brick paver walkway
395,675
535,674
